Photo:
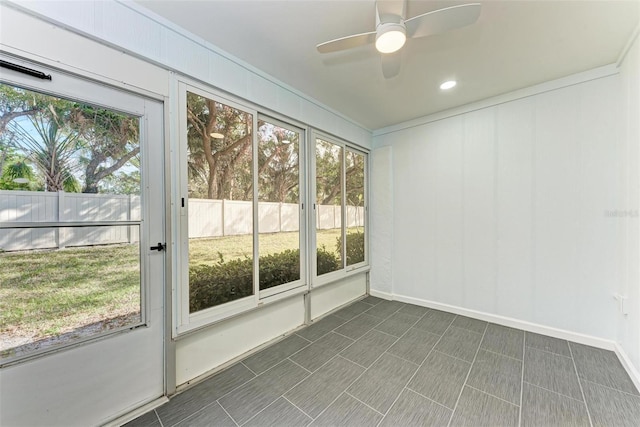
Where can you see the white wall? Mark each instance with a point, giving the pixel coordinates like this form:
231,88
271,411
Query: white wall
80,37
500,207
629,325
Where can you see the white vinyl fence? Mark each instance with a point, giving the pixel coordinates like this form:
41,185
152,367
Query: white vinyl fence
207,218
33,206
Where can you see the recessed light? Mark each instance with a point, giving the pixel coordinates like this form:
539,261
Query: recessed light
448,85
216,135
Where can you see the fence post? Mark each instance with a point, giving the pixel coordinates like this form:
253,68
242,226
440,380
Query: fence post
223,220
61,231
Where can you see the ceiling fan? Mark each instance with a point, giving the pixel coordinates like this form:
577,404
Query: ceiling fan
393,29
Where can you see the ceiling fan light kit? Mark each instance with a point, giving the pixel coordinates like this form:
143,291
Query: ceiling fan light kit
393,29
390,37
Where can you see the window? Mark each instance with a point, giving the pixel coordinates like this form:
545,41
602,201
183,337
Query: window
245,180
355,214
340,209
220,197
329,248
70,221
279,208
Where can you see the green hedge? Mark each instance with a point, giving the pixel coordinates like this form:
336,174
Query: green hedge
224,281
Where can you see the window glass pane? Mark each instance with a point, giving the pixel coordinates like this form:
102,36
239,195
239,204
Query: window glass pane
354,173
219,169
61,161
278,205
328,206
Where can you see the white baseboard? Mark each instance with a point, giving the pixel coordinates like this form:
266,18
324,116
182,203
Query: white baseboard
511,322
132,415
628,366
380,294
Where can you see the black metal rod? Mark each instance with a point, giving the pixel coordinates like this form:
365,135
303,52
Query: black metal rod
25,70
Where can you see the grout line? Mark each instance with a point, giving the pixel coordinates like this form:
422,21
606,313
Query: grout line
158,417
492,395
467,377
338,333
428,398
549,352
610,388
300,336
250,370
365,404
453,357
296,363
225,411
398,357
575,369
417,370
554,392
503,355
296,406
524,353
386,333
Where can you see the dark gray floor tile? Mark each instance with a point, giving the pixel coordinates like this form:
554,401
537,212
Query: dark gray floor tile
368,348
212,415
316,393
411,410
150,419
435,321
381,384
280,413
186,403
372,300
610,407
476,409
415,345
247,400
551,371
320,327
275,353
550,344
318,353
359,326
474,325
414,310
503,340
545,408
347,411
352,310
385,309
440,378
602,367
497,375
460,343
397,324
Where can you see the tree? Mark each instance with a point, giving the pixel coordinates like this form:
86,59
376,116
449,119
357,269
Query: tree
221,166
278,164
328,173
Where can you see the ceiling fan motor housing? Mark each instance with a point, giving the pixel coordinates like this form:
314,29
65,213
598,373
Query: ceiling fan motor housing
390,37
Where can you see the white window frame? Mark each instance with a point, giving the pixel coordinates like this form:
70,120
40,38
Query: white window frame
345,271
302,228
78,88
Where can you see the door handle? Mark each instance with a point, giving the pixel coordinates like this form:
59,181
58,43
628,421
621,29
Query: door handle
160,247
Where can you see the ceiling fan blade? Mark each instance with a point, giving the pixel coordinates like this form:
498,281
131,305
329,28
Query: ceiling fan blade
391,10
348,42
442,20
391,64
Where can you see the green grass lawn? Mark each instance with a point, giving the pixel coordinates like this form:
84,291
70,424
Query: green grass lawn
51,292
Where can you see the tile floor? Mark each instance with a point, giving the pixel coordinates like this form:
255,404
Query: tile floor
385,363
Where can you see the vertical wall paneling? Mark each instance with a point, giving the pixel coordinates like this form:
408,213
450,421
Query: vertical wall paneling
449,220
629,226
381,214
479,215
515,137
501,210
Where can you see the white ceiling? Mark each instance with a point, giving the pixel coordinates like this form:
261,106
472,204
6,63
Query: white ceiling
514,44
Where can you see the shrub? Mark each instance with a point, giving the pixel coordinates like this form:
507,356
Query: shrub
326,261
355,247
225,281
